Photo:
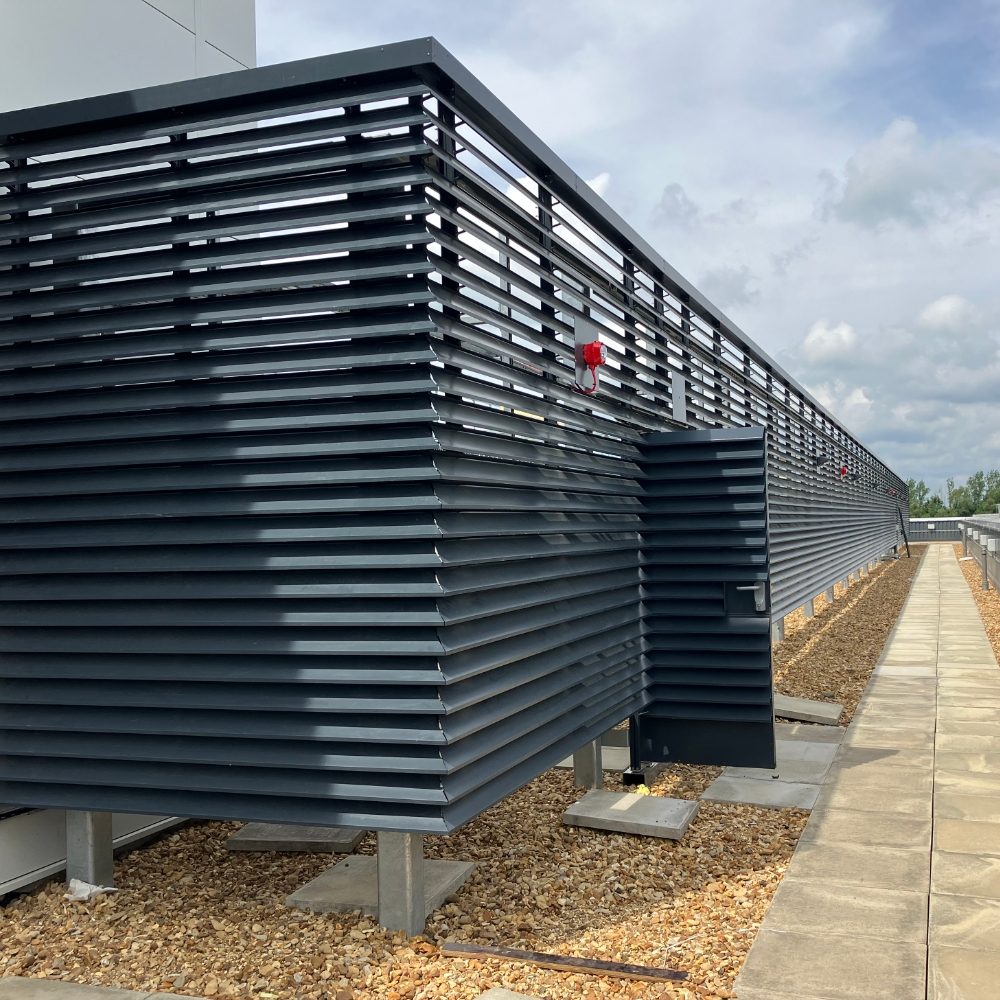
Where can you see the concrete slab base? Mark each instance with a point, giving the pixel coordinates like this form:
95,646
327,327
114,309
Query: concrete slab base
807,710
804,732
755,792
289,838
625,812
18,988
353,885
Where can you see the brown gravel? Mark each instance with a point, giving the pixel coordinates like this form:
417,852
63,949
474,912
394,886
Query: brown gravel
192,918
831,656
988,601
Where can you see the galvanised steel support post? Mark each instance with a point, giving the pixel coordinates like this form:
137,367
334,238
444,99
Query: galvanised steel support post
810,607
90,854
401,892
778,630
588,766
830,595
986,567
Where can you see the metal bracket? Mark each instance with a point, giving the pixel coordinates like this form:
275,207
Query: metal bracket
759,594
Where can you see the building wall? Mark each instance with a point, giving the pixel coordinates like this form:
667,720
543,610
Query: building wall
61,50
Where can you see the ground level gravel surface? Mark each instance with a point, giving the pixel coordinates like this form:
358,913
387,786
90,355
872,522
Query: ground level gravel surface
191,918
988,601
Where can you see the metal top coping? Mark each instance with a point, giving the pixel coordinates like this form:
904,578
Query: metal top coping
432,63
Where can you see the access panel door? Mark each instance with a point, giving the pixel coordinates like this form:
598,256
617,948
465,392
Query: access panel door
706,601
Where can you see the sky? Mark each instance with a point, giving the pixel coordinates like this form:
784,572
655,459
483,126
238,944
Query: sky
827,174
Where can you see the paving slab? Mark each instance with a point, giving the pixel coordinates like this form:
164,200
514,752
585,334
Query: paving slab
352,885
19,988
626,812
977,808
960,836
965,875
775,794
967,783
979,763
962,974
856,756
807,710
846,968
965,743
879,829
965,922
815,908
878,775
287,838
857,865
808,732
882,736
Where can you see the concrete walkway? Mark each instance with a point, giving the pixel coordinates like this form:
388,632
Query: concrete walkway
894,889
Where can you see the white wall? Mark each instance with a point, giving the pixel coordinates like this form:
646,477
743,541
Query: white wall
60,50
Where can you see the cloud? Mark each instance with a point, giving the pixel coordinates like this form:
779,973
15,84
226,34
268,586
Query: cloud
728,285
950,312
675,208
825,343
902,177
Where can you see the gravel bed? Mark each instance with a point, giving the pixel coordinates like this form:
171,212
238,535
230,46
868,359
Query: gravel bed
830,657
988,601
192,918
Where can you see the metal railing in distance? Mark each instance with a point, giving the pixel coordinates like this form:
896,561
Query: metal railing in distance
934,529
305,518
981,540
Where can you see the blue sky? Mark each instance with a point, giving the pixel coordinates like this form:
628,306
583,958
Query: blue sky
829,174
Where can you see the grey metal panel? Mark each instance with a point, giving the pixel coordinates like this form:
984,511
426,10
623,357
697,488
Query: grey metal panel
707,643
300,501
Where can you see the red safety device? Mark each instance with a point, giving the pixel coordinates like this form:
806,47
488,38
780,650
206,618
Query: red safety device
843,472
595,354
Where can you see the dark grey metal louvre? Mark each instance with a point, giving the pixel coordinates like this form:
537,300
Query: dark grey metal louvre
704,589
302,516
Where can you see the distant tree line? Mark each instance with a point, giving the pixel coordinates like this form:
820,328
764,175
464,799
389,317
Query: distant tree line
979,495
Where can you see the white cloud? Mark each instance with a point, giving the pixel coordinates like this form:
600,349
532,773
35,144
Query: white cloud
950,312
825,342
903,177
728,285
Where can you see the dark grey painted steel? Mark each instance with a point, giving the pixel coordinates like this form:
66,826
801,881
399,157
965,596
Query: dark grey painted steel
705,580
303,519
935,529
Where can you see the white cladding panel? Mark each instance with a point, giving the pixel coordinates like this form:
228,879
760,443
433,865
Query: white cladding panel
61,50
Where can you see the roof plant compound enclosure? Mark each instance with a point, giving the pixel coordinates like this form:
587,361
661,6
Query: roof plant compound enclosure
339,477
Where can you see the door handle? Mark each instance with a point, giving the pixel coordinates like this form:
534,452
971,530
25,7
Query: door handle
759,594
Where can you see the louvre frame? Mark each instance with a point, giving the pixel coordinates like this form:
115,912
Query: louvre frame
409,436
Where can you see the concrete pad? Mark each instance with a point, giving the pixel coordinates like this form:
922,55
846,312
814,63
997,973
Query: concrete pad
814,908
856,756
960,836
774,794
797,761
899,670
625,812
962,974
979,763
967,783
853,864
18,988
949,727
967,744
965,922
854,826
352,885
977,808
288,839
881,736
807,710
808,732
965,875
877,775
849,968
